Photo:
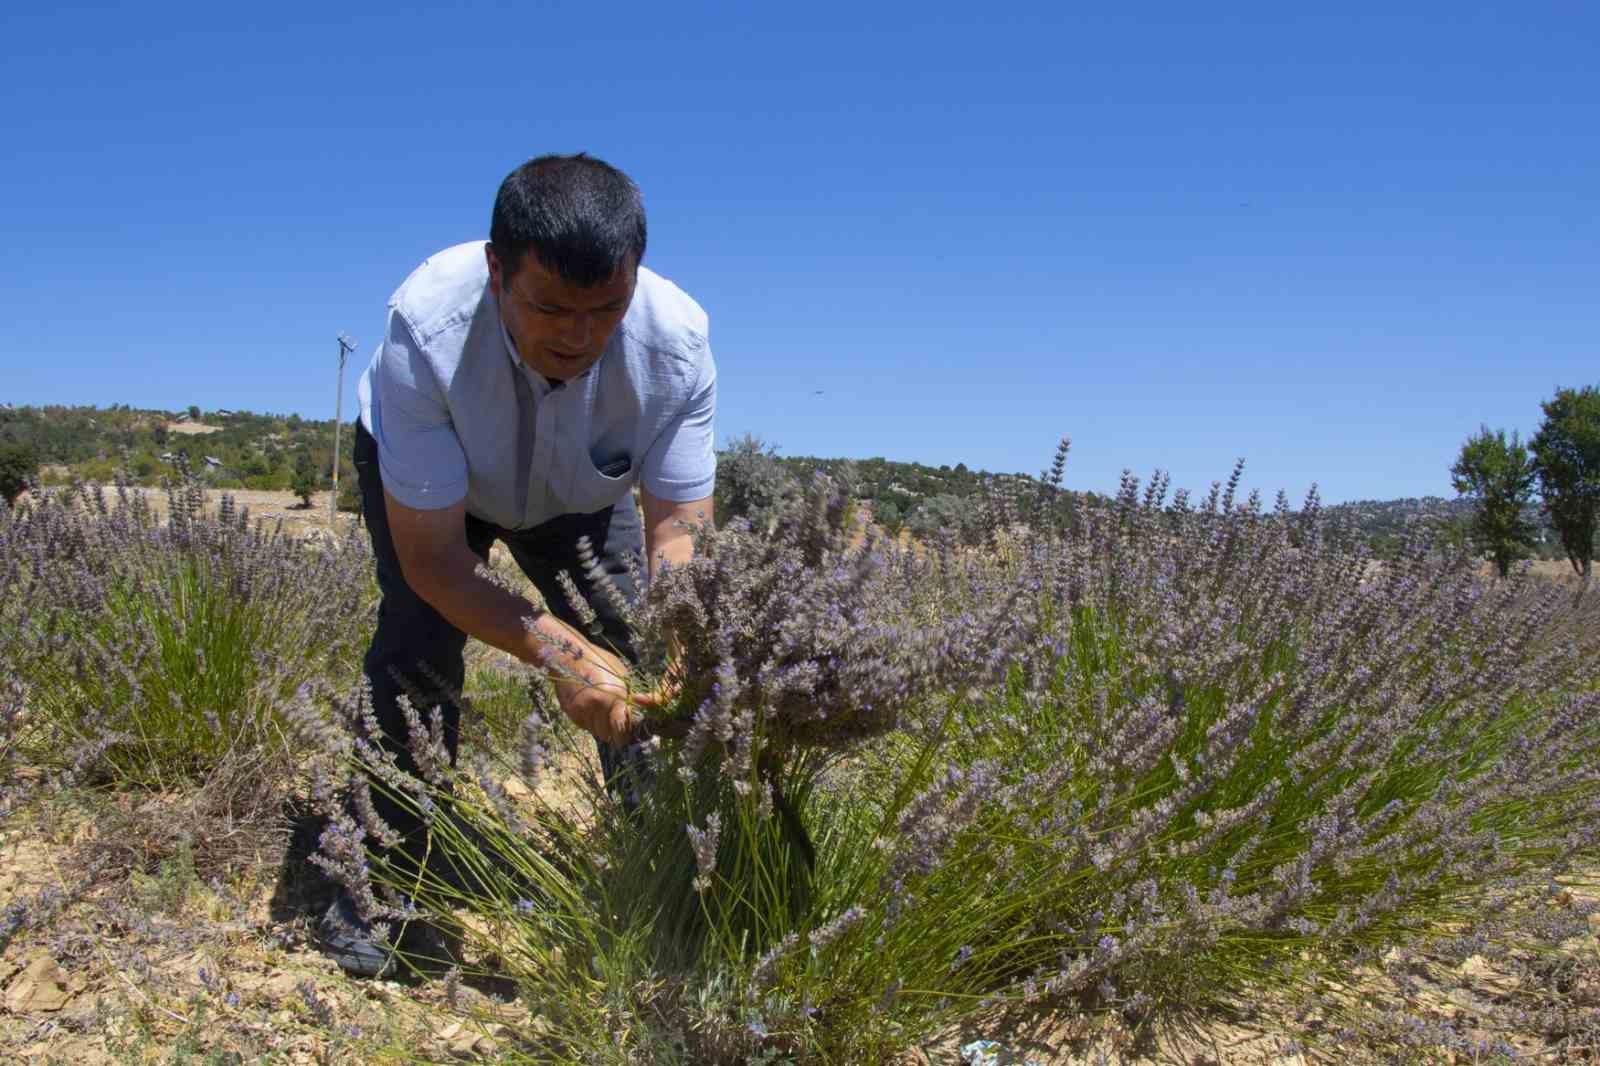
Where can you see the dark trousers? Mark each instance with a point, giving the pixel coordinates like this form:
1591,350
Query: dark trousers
417,652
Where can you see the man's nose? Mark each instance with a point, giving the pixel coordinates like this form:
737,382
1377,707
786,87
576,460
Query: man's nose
579,326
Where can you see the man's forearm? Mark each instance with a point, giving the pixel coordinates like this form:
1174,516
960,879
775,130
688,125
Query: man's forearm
669,532
452,585
669,541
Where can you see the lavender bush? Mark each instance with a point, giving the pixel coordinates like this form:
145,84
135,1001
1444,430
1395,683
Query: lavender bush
751,482
1144,755
1235,753
796,643
14,719
149,650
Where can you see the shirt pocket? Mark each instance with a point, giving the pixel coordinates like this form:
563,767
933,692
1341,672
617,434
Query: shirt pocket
597,481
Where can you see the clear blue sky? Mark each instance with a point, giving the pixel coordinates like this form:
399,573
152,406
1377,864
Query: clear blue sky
1332,243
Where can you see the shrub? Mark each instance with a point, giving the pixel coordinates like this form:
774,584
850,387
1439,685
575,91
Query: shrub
14,719
304,482
1566,453
349,492
751,482
956,518
153,650
1224,750
1497,475
1226,762
808,635
19,468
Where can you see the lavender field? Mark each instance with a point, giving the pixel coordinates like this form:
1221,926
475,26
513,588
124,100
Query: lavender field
1159,778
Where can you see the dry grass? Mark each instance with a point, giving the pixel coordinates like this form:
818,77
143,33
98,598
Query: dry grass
178,928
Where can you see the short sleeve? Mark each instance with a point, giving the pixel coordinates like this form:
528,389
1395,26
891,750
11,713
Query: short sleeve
420,458
681,464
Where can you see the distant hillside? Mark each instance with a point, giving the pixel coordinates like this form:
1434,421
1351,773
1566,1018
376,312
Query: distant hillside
231,449
922,498
1390,517
241,449
1383,522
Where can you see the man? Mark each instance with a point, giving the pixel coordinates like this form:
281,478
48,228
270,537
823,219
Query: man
523,387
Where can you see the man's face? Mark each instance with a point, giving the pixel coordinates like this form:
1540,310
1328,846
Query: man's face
560,328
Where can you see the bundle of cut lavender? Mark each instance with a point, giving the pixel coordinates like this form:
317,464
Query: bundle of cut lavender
811,633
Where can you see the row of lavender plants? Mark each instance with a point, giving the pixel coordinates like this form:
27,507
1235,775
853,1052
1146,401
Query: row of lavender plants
1151,756
148,649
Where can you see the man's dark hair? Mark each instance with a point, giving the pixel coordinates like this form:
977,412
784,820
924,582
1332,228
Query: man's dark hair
580,217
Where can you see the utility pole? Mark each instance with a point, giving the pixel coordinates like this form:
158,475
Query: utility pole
346,346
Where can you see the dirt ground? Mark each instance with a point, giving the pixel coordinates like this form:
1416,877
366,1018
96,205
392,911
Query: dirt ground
161,965
286,507
1558,570
192,429
152,966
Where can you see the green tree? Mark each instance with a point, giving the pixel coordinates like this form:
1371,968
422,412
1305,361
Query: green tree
254,465
349,495
947,515
349,482
751,481
888,514
194,411
1566,456
1497,475
305,479
145,467
19,468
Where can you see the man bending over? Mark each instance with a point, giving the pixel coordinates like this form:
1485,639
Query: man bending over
523,387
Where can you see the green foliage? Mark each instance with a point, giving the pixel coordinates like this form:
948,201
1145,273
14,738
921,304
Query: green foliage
1566,453
19,468
496,702
305,479
349,495
349,486
99,471
959,516
144,466
751,481
94,444
1497,475
173,882
889,514
153,652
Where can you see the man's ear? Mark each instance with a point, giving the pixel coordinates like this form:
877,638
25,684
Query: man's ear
494,269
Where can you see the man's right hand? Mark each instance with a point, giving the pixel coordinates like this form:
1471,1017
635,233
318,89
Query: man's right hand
599,699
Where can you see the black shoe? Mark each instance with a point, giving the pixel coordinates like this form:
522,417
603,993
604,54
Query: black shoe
357,948
352,942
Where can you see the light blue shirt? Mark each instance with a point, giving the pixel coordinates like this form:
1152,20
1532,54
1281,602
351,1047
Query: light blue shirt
458,416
